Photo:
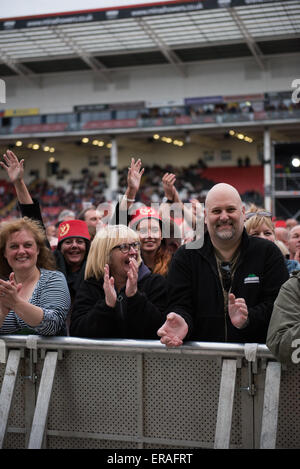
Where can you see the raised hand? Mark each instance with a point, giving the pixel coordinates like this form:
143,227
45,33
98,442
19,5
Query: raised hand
237,310
168,181
13,167
109,288
135,172
173,331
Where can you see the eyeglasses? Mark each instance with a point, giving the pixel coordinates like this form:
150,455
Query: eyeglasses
226,275
259,214
125,247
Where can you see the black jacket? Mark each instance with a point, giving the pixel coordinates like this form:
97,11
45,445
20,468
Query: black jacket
195,291
138,317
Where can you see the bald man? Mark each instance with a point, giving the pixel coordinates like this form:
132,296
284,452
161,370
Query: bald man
224,291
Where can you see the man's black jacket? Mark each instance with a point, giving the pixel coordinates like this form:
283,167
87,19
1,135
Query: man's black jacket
195,291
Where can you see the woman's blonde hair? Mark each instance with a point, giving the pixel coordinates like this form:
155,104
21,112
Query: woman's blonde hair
105,240
45,258
257,216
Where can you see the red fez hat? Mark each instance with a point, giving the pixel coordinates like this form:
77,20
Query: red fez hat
73,229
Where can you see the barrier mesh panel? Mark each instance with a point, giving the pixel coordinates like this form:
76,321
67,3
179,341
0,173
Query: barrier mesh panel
95,393
181,398
118,401
288,433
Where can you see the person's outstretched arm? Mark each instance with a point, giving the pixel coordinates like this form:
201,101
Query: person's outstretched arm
173,331
15,171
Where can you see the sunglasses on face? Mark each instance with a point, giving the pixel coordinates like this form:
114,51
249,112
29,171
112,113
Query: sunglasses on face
125,247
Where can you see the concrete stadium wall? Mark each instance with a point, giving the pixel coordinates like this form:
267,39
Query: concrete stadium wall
59,92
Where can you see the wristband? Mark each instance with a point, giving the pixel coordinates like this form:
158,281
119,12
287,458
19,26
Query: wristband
165,200
126,198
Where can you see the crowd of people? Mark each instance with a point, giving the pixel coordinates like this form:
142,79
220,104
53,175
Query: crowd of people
221,107
92,188
225,272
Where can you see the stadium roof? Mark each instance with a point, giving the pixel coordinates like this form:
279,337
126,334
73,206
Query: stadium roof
153,36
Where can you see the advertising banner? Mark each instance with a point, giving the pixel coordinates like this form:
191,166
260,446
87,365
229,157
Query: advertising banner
33,13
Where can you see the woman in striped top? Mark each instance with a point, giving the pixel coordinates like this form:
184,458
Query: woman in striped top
34,297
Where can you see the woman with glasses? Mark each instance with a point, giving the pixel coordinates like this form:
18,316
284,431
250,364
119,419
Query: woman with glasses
119,297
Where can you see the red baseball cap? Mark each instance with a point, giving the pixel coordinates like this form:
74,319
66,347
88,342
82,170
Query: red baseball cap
280,223
144,213
73,229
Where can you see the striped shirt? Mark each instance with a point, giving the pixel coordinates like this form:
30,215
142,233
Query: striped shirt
52,295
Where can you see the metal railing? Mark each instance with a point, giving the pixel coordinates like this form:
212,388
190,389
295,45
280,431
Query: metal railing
67,392
146,123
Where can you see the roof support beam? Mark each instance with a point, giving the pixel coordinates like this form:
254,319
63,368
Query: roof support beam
19,69
91,61
164,49
255,50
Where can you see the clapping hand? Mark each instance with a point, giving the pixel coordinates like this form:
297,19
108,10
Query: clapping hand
237,310
9,293
109,288
132,277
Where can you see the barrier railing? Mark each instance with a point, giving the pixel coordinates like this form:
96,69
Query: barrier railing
66,392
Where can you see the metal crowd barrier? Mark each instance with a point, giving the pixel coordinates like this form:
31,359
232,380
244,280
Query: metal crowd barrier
66,392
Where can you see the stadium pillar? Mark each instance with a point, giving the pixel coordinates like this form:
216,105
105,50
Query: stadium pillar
113,168
267,170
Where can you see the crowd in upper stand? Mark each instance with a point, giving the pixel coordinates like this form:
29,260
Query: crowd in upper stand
174,270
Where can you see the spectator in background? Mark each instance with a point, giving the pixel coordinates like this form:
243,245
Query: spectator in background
223,291
34,298
290,223
294,242
120,297
71,253
51,233
259,223
282,234
92,217
64,215
146,221
159,233
149,226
